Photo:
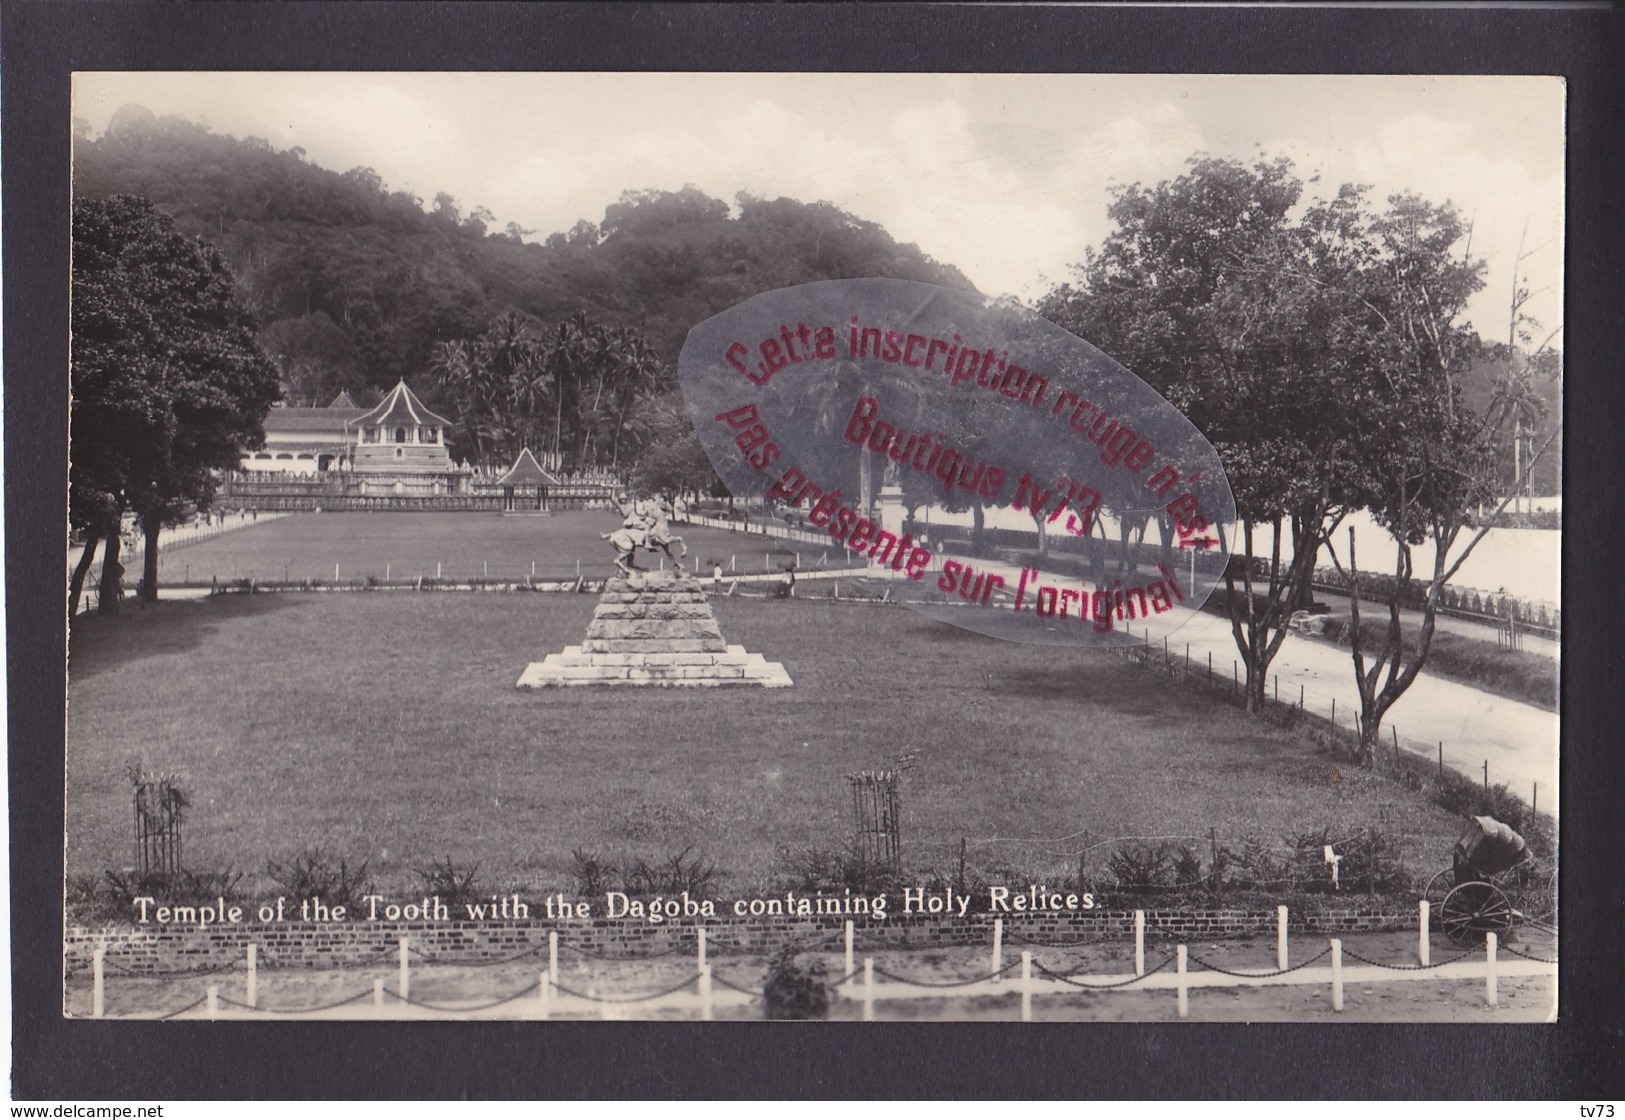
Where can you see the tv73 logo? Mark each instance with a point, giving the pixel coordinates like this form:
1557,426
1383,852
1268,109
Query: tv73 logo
1600,1111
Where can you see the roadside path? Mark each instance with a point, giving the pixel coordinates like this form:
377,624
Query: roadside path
1519,741
1466,627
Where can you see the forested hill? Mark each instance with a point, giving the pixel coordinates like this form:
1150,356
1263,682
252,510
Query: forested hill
365,279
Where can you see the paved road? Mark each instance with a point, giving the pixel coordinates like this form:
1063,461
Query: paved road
1411,620
1518,740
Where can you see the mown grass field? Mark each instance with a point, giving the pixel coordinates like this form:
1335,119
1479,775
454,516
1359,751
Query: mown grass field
461,546
1514,673
386,727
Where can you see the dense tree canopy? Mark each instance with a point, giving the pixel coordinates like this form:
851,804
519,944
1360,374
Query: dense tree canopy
568,390
1188,292
169,382
1324,349
398,276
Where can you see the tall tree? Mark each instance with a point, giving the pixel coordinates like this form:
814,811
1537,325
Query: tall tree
1430,460
671,459
317,358
170,385
1191,291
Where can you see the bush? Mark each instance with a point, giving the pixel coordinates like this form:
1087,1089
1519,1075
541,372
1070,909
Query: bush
1187,869
1141,867
1371,863
639,878
1257,866
311,874
112,896
795,990
822,869
592,875
454,885
677,874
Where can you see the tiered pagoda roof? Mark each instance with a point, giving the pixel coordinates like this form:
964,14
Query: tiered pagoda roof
400,407
526,471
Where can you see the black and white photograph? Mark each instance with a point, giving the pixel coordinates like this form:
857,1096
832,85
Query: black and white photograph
514,574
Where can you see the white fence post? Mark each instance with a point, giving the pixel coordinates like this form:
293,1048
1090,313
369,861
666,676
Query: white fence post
405,984
213,1000
1026,986
849,959
998,947
705,992
1179,984
699,944
868,989
1280,938
378,992
98,984
1139,942
251,982
553,957
1490,994
544,995
1424,949
1337,974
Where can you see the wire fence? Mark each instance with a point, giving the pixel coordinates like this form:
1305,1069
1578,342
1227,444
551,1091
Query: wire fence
1341,728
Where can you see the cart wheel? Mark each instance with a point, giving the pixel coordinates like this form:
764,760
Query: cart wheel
1439,886
1472,910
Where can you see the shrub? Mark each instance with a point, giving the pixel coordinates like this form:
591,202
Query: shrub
677,874
114,895
1371,863
795,990
454,885
639,878
823,869
592,875
1187,869
311,874
1141,867
1257,865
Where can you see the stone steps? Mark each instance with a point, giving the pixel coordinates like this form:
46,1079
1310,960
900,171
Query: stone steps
656,631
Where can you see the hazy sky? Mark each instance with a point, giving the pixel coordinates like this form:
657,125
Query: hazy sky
1004,176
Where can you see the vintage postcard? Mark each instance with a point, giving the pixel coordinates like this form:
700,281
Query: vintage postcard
814,546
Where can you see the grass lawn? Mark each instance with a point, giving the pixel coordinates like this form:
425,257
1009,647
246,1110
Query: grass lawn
1513,673
462,546
388,728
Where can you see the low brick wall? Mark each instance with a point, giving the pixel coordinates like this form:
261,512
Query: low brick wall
309,945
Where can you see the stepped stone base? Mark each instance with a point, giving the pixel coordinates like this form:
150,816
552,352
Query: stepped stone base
654,629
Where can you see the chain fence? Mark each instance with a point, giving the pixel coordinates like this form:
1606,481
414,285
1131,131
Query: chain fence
867,983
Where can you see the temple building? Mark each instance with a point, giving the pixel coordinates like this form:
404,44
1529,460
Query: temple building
399,436
396,447
306,440
525,485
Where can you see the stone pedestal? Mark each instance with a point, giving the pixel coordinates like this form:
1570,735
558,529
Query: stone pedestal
654,629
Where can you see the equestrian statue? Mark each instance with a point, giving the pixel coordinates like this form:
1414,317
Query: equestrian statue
646,524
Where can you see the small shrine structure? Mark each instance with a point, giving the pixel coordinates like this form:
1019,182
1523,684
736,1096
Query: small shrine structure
525,485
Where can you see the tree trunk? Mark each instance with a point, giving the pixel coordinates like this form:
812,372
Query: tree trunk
1256,692
1124,531
978,524
149,565
112,576
1303,595
1371,705
77,583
